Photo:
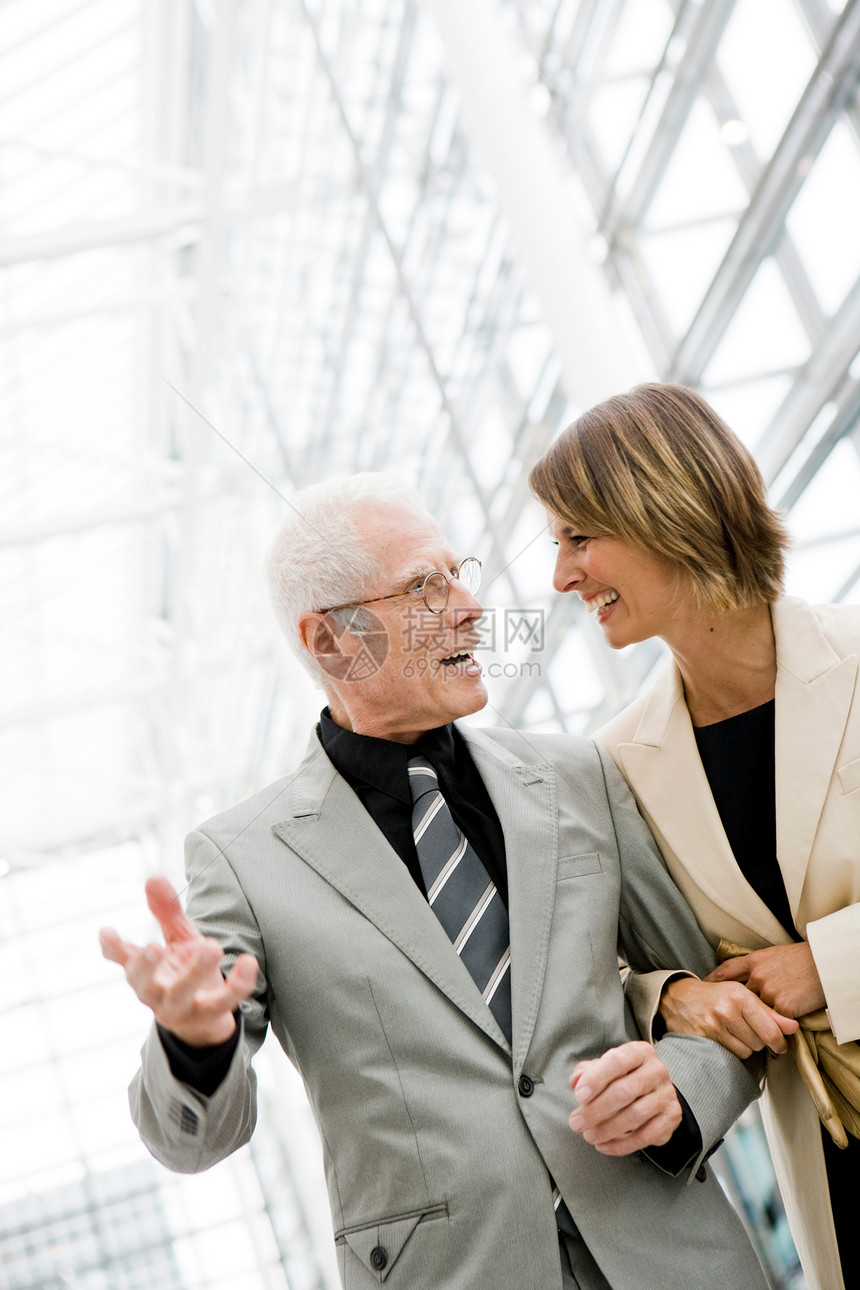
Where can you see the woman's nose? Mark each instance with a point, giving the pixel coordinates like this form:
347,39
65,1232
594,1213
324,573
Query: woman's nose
567,572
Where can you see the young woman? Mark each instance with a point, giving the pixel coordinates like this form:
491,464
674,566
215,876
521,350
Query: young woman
744,755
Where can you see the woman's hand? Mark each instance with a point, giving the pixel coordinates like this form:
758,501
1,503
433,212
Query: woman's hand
726,1012
784,976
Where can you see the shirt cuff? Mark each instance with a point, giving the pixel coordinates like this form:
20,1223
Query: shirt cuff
682,1148
201,1068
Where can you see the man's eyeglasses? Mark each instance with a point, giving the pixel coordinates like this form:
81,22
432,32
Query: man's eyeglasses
434,588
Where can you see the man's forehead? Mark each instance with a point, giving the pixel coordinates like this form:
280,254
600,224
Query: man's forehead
403,538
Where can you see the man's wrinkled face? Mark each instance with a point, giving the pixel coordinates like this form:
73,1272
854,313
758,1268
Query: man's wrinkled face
429,675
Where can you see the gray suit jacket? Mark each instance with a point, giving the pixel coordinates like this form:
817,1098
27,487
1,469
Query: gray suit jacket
436,1149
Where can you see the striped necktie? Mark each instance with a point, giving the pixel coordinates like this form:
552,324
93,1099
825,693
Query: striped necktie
461,893
464,898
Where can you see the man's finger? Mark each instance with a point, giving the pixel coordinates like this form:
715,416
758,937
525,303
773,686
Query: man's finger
591,1078
232,990
141,972
631,1116
198,972
655,1133
164,903
597,1109
242,977
113,947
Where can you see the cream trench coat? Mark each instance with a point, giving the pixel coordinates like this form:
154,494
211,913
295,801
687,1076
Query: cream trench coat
818,846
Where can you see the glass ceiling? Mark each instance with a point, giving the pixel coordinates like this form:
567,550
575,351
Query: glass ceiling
247,243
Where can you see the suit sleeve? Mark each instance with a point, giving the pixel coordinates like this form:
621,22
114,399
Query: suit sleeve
659,933
182,1127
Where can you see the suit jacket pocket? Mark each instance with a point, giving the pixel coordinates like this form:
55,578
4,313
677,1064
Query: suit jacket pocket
849,776
379,1244
578,866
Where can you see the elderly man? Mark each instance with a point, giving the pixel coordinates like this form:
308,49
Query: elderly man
429,917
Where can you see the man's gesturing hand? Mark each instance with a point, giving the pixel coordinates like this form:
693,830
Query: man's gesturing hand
626,1100
181,981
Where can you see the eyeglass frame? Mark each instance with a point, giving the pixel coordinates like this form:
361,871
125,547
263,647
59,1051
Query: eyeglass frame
399,595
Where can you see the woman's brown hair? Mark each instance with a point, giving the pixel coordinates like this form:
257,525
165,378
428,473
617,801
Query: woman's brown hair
659,467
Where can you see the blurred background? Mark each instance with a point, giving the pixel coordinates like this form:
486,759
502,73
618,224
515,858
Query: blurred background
248,243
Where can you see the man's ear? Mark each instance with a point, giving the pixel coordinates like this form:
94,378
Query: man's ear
317,634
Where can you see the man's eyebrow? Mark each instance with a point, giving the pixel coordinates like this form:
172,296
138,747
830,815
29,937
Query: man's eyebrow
417,571
423,570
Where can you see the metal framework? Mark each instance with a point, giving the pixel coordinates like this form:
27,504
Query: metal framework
245,243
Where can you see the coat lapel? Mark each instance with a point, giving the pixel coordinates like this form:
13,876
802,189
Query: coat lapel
663,767
329,828
814,688
525,797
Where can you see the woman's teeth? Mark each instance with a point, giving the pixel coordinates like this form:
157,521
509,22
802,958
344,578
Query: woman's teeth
600,602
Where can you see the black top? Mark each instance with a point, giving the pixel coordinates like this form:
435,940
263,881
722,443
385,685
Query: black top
739,761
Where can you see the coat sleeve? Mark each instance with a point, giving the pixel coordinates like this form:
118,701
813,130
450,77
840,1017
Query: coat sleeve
187,1131
834,941
834,938
658,934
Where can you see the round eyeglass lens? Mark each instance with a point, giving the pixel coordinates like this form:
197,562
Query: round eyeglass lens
435,592
469,574
436,585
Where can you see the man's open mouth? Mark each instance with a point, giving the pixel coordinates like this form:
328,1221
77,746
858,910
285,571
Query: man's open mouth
454,659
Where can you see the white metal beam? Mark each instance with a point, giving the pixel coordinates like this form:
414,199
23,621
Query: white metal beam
190,219
597,351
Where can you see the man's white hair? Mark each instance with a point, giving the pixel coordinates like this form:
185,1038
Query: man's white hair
318,559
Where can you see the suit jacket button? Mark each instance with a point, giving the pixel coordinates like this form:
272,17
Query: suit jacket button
526,1086
378,1258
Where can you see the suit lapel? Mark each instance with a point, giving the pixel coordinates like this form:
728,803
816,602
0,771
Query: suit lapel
814,688
663,767
525,798
330,829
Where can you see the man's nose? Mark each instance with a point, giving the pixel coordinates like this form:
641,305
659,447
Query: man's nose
463,602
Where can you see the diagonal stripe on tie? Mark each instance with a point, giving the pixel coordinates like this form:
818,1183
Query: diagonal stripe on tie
461,892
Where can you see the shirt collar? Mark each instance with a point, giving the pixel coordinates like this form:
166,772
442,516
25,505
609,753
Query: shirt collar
382,763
